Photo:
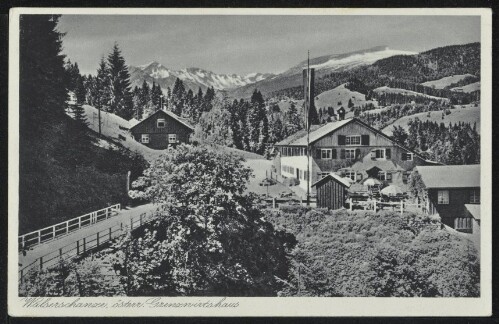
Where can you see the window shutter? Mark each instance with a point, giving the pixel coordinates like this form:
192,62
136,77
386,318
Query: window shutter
342,173
333,154
318,153
404,156
343,153
359,176
389,176
378,154
357,153
364,140
373,155
341,139
388,153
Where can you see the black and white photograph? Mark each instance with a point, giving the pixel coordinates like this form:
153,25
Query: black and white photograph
214,156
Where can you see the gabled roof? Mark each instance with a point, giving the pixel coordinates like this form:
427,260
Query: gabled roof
291,138
321,132
450,176
168,113
334,176
474,210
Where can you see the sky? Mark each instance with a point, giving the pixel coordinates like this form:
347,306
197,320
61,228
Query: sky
246,44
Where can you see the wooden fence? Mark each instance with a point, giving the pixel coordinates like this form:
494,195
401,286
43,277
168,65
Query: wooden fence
50,233
85,245
376,205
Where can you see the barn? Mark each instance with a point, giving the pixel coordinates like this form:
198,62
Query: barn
331,191
162,130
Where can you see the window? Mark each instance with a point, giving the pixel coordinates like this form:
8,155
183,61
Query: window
172,138
385,176
407,156
443,197
462,223
350,154
161,123
351,175
144,138
352,140
326,154
475,196
381,154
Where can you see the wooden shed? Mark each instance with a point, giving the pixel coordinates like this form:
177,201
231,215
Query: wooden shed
331,191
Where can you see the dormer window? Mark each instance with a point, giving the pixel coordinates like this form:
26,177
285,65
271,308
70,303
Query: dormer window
144,138
381,154
161,123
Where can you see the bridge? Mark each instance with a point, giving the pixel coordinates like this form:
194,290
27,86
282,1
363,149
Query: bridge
46,247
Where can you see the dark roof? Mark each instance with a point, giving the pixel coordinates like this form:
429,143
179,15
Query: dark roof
333,176
450,176
167,113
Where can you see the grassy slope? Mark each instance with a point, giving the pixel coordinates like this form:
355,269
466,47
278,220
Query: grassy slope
406,92
469,114
446,81
111,128
341,94
472,87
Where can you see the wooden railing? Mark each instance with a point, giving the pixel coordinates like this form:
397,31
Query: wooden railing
85,245
50,233
375,205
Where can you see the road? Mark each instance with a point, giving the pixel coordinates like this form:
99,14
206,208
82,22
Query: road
122,217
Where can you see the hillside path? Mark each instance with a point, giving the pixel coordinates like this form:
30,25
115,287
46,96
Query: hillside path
122,217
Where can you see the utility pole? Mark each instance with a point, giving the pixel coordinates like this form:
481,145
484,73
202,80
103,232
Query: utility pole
308,127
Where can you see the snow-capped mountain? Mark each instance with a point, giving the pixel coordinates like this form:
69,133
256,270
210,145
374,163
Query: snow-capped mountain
192,78
323,65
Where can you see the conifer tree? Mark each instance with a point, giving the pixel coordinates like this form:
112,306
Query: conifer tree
121,97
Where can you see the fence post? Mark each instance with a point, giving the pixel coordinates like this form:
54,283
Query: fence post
41,263
84,245
121,226
141,219
22,275
131,224
109,233
79,222
60,253
39,237
351,207
374,207
273,202
401,207
67,227
97,239
78,247
53,232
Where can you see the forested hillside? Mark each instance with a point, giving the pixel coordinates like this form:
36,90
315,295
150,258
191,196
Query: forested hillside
410,70
62,174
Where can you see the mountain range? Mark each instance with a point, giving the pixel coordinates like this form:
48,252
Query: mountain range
374,66
193,78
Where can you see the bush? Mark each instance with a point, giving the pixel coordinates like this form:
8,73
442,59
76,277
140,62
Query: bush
342,253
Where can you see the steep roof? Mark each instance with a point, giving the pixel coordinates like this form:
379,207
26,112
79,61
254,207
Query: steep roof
474,210
334,176
168,113
450,176
291,138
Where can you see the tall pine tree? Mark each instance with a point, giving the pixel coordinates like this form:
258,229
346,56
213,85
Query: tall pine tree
121,97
